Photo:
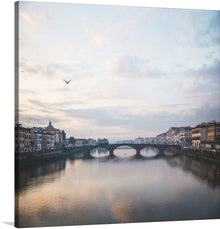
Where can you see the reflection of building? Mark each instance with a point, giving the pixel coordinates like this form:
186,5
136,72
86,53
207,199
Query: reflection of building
28,177
22,139
197,168
186,136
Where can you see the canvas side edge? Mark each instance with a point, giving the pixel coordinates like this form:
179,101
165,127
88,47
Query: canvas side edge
16,106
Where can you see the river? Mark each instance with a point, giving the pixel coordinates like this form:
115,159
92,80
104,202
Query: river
78,191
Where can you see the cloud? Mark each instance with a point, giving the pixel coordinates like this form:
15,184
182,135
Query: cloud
34,20
133,67
57,106
100,40
49,71
37,120
207,29
213,23
116,122
38,103
150,121
209,72
27,91
27,18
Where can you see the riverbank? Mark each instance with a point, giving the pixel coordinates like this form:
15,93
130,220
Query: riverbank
39,157
204,154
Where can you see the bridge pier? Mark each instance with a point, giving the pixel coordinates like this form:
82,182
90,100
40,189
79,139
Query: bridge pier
87,154
161,152
138,153
137,147
111,154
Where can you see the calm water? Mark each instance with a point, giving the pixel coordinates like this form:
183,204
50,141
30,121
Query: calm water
120,189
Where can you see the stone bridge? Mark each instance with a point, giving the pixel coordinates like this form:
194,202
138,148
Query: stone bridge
138,147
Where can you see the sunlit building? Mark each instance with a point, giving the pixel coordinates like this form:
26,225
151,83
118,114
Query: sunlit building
212,140
186,136
172,135
199,134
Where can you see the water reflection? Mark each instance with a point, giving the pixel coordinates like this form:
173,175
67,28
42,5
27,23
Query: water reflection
149,152
169,152
125,152
79,191
208,172
36,175
99,152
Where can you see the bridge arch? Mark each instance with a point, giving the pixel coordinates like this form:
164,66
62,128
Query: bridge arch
150,152
124,151
95,151
138,147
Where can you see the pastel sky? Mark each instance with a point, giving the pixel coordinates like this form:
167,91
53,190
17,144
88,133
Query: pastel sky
135,71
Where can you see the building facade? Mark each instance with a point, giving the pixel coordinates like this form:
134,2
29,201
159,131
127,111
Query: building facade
173,136
139,140
92,141
38,139
56,133
161,139
80,142
150,140
199,134
186,136
22,139
212,138
48,140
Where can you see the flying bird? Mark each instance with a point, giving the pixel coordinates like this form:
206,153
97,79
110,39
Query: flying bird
67,81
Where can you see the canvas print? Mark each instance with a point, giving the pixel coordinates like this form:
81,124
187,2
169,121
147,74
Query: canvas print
117,116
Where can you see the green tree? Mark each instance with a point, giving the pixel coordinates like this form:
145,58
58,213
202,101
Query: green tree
72,140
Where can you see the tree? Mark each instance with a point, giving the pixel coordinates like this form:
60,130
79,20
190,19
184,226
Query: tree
63,136
72,140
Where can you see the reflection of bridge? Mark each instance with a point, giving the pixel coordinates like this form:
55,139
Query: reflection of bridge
138,147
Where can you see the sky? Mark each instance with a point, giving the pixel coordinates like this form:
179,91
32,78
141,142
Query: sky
134,71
